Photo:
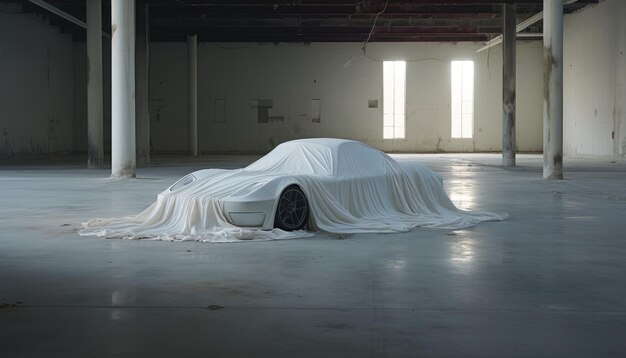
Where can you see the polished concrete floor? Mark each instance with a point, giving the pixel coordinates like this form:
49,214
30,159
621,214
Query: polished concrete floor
550,281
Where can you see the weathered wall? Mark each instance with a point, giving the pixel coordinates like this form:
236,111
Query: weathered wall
344,80
595,80
36,86
43,84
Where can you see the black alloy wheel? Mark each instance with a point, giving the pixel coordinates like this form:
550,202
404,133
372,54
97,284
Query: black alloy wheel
292,211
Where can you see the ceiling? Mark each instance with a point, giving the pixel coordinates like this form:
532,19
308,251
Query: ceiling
314,20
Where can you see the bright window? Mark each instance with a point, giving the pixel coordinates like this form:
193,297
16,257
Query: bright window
462,99
394,79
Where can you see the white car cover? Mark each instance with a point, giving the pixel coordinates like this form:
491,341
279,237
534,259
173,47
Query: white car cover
350,187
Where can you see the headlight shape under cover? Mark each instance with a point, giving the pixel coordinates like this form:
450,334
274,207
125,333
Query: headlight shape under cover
186,180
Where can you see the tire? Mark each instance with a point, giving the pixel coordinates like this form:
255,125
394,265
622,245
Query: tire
292,211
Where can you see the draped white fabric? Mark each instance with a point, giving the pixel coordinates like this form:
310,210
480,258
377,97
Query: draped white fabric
350,187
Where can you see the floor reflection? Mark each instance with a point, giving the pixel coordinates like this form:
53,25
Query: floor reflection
462,250
396,265
462,193
122,298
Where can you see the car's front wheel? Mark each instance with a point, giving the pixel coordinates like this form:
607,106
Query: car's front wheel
292,211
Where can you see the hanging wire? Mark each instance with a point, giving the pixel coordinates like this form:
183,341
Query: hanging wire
369,36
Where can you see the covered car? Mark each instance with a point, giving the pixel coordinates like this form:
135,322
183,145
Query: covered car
322,184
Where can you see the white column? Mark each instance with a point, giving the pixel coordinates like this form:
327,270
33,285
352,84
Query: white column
192,93
143,69
508,84
95,144
123,88
553,89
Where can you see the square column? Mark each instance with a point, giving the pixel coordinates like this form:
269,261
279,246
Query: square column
142,68
192,93
553,89
123,157
95,142
508,84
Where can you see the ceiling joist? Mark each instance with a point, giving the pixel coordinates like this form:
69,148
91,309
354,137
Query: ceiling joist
312,20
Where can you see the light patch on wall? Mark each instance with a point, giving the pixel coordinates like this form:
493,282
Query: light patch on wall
394,87
220,110
316,110
462,101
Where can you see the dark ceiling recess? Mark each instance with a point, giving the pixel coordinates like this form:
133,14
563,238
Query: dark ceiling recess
315,20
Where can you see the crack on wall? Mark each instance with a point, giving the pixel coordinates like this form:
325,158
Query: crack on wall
52,136
5,134
438,145
619,149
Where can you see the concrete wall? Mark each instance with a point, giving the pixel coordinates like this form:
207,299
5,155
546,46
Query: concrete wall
43,91
595,80
344,80
36,86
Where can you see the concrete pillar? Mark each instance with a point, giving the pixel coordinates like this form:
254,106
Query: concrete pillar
192,93
95,143
553,89
508,84
142,67
123,88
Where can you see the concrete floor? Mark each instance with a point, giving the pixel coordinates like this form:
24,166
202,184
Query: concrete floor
548,282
